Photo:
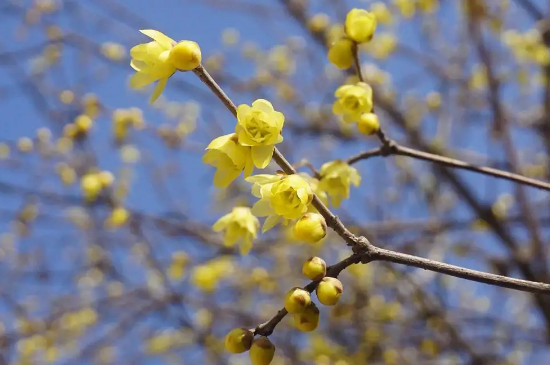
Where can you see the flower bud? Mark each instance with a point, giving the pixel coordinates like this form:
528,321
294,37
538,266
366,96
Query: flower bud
262,351
308,320
314,268
360,25
238,340
329,290
186,55
368,124
340,53
296,300
310,228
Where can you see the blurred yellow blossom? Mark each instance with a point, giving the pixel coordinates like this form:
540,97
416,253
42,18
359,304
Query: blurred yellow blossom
336,178
239,225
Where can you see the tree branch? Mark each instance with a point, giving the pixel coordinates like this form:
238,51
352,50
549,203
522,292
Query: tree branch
397,149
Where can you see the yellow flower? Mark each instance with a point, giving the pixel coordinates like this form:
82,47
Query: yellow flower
382,46
336,178
286,197
340,53
352,101
407,8
207,276
229,158
382,13
259,126
314,183
239,225
360,25
152,62
368,124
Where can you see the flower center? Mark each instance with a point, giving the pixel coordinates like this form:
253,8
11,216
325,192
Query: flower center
257,126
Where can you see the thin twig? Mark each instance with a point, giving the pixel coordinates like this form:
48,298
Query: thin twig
449,162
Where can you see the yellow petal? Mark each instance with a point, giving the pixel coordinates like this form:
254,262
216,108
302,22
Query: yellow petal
270,222
261,155
140,80
158,90
161,38
224,177
249,165
246,245
263,105
262,208
221,223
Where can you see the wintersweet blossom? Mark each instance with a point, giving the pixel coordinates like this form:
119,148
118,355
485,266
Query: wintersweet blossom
352,101
282,197
239,225
159,59
336,178
230,159
151,61
259,126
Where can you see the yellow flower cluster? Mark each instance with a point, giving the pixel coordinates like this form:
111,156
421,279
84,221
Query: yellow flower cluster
352,101
79,127
527,47
257,131
160,59
359,27
355,103
93,183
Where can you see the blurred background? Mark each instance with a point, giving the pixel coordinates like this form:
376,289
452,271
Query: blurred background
136,275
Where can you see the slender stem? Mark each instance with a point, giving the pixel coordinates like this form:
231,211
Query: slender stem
380,254
397,149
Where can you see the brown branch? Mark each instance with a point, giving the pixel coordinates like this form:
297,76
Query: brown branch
380,254
397,149
364,251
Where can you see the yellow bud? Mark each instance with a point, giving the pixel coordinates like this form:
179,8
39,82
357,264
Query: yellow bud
329,290
310,228
106,178
296,300
308,320
83,123
25,144
238,340
368,124
360,25
119,216
91,186
262,351
186,55
314,268
340,53
433,100
318,22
